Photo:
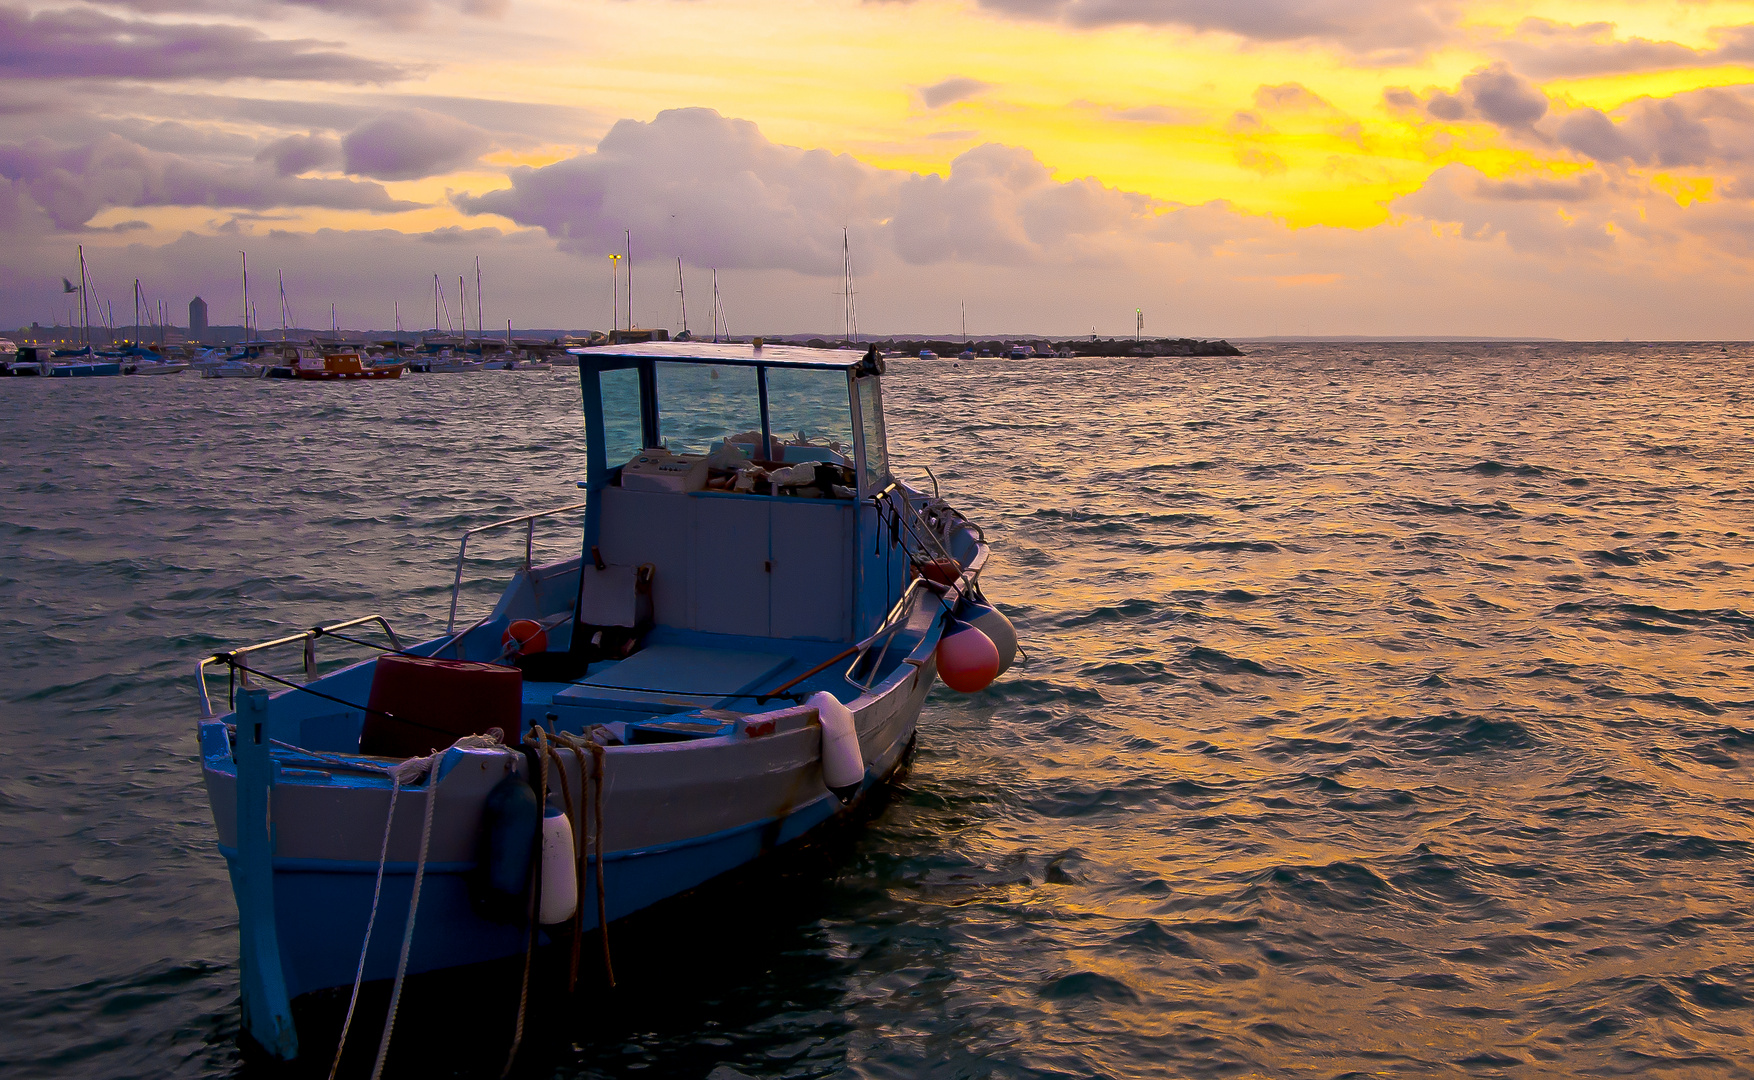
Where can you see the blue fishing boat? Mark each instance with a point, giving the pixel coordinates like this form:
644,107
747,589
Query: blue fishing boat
735,656
82,363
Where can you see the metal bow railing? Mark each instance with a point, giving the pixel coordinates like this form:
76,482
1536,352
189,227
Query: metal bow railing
529,523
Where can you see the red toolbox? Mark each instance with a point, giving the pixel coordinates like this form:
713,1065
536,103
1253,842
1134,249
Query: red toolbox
419,705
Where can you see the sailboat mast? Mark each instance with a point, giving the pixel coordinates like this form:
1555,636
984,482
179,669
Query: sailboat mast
630,279
682,291
246,257
480,324
136,309
435,302
849,301
84,292
463,309
715,303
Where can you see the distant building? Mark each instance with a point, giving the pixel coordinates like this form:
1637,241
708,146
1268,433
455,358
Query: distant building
197,319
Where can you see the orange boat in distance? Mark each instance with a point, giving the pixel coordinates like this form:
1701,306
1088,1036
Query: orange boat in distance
339,366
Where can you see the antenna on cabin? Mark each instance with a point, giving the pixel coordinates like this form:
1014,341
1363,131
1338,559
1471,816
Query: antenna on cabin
682,291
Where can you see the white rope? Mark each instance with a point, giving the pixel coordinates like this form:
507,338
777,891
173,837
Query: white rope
403,772
413,907
377,891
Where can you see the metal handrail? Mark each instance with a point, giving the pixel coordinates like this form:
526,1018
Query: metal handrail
887,629
528,521
309,637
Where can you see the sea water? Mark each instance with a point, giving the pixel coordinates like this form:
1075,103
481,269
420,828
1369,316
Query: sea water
1387,710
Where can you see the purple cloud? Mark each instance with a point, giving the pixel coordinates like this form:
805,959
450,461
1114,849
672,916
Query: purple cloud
1392,27
1494,94
951,90
1504,98
715,191
73,184
409,144
86,43
1552,50
1516,214
297,154
404,13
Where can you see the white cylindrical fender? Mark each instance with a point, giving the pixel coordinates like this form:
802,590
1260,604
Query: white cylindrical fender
843,765
560,884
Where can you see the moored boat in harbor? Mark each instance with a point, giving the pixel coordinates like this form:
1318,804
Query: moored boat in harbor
344,367
736,654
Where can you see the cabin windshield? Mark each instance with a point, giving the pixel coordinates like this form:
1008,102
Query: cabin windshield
874,465
810,416
622,434
784,413
702,405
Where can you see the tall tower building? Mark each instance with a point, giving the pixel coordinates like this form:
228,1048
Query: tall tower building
197,319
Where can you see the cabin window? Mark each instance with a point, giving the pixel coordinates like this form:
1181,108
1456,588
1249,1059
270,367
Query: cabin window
621,427
809,415
875,466
702,405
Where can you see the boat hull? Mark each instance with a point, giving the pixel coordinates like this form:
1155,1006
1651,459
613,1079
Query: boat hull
351,376
675,816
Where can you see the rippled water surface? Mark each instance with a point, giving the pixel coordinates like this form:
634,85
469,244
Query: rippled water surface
1388,712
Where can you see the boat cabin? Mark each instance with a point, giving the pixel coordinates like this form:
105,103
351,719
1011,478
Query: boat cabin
743,476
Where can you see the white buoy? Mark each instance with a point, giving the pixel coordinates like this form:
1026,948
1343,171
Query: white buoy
843,766
560,885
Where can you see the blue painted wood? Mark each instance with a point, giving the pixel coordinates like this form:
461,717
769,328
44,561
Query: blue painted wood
596,456
678,673
266,1004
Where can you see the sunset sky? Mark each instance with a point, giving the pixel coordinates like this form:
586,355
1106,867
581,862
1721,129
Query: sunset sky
1249,167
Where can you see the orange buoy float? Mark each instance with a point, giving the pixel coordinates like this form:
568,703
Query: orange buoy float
940,571
968,661
523,637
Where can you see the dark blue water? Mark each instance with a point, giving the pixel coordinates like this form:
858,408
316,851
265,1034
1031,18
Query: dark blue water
1390,711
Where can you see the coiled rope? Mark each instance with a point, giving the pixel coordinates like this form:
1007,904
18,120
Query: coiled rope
589,786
